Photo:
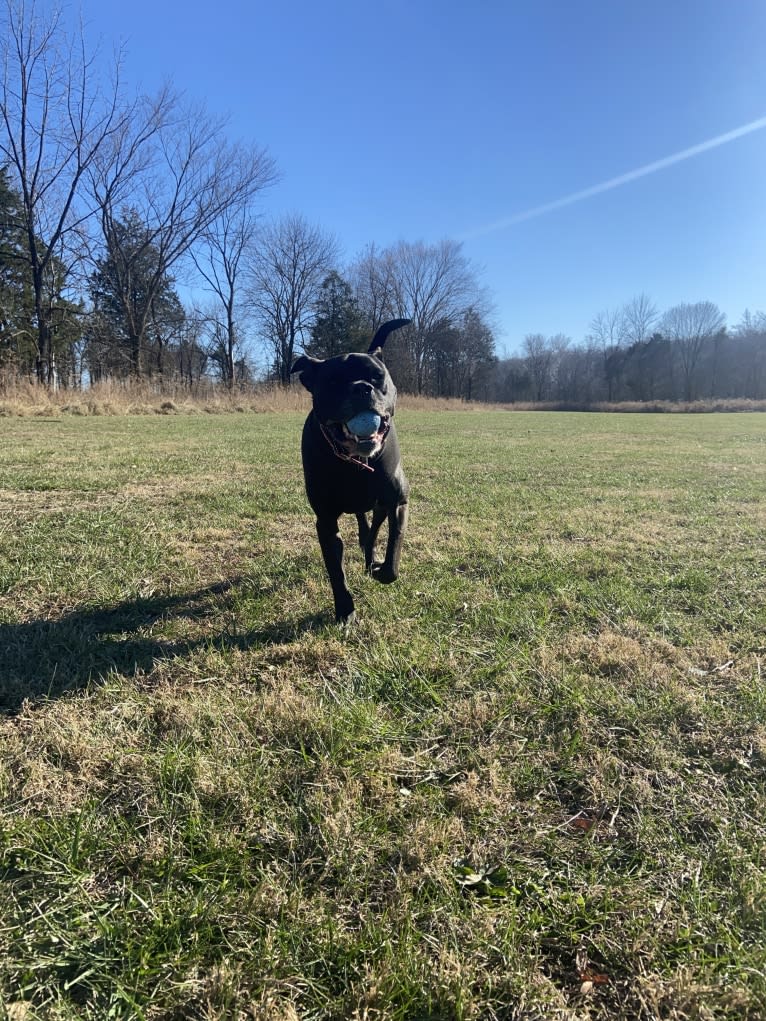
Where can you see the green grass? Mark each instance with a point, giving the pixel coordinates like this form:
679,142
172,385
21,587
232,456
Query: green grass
529,784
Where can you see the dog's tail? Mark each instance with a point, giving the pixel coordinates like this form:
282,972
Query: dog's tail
377,342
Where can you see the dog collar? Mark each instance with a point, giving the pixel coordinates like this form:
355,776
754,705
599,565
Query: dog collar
342,455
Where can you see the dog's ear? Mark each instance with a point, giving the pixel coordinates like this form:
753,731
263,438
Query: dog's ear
307,367
376,345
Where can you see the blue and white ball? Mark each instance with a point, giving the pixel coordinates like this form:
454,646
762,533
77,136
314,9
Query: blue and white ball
366,423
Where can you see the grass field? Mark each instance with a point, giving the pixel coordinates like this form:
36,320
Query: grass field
529,784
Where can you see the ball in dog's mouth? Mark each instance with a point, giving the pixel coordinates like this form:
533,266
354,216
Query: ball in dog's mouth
363,434
364,425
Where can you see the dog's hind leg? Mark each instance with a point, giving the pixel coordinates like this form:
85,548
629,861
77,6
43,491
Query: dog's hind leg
364,531
388,571
379,513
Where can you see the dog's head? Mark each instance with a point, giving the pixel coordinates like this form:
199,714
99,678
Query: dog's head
352,385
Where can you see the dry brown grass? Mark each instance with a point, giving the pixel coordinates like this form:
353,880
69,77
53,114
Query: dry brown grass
22,398
718,404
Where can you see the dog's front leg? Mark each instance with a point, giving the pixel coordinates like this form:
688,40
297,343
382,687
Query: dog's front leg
388,571
332,552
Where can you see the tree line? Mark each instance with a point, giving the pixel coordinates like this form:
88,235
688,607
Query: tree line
638,353
114,204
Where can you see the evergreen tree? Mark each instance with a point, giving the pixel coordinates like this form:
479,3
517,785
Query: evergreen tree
137,310
16,304
339,325
18,331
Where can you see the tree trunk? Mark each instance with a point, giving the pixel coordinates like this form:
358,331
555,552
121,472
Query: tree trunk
230,348
136,366
44,361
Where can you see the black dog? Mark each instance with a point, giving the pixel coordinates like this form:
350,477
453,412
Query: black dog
349,472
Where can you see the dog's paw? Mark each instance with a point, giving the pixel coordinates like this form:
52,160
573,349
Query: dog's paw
383,573
344,612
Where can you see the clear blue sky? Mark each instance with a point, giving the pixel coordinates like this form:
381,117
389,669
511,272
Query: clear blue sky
423,120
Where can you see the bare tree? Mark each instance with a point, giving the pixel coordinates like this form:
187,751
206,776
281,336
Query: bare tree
372,280
613,331
173,168
639,316
559,344
221,261
292,260
539,358
608,335
56,120
608,329
543,355
688,327
433,285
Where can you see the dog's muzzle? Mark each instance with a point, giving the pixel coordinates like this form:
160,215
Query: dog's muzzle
349,446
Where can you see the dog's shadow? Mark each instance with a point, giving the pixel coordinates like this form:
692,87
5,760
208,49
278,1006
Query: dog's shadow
44,659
